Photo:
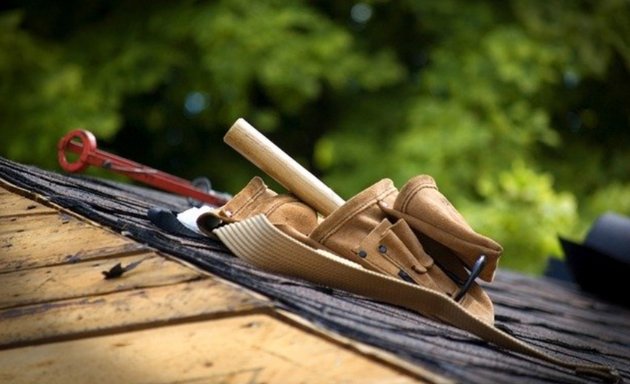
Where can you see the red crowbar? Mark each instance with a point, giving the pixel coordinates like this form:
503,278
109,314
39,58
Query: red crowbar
83,143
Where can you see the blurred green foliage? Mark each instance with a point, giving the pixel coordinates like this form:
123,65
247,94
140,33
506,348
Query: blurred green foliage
519,109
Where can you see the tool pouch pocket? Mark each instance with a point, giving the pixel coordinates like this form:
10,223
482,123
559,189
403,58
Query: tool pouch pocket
394,250
361,231
345,228
256,198
429,212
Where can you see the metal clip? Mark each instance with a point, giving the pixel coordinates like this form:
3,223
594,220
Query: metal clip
474,272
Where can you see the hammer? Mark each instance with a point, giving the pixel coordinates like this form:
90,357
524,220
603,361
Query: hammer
260,151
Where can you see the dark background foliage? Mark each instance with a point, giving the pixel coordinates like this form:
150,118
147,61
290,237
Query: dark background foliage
519,109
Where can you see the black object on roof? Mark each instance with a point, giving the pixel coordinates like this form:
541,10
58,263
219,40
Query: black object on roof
601,264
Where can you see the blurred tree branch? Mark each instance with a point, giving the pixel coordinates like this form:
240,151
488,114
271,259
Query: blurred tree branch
519,109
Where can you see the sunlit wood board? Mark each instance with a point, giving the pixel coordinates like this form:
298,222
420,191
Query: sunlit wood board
61,321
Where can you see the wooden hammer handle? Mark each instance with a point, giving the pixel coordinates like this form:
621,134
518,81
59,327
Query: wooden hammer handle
259,150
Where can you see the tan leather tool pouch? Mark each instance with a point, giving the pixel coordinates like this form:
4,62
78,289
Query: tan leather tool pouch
360,231
256,198
429,212
367,231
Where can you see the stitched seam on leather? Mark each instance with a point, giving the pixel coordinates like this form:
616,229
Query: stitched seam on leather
414,192
406,202
447,233
387,256
372,260
376,267
279,201
398,224
247,202
321,232
354,213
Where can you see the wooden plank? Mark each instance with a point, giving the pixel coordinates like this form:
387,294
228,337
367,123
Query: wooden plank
35,241
16,205
41,285
11,224
244,349
121,311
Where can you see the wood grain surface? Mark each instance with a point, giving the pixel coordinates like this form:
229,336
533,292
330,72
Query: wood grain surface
61,321
243,349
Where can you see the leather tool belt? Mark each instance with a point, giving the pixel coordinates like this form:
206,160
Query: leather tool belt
409,248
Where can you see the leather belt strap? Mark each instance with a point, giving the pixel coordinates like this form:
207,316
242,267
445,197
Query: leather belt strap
260,243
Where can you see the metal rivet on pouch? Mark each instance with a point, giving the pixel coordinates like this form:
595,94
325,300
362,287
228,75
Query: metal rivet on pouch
362,254
382,248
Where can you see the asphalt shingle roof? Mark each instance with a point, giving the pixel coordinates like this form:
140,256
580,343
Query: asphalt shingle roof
553,316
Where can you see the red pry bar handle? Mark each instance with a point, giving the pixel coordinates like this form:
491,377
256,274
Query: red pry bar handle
83,143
